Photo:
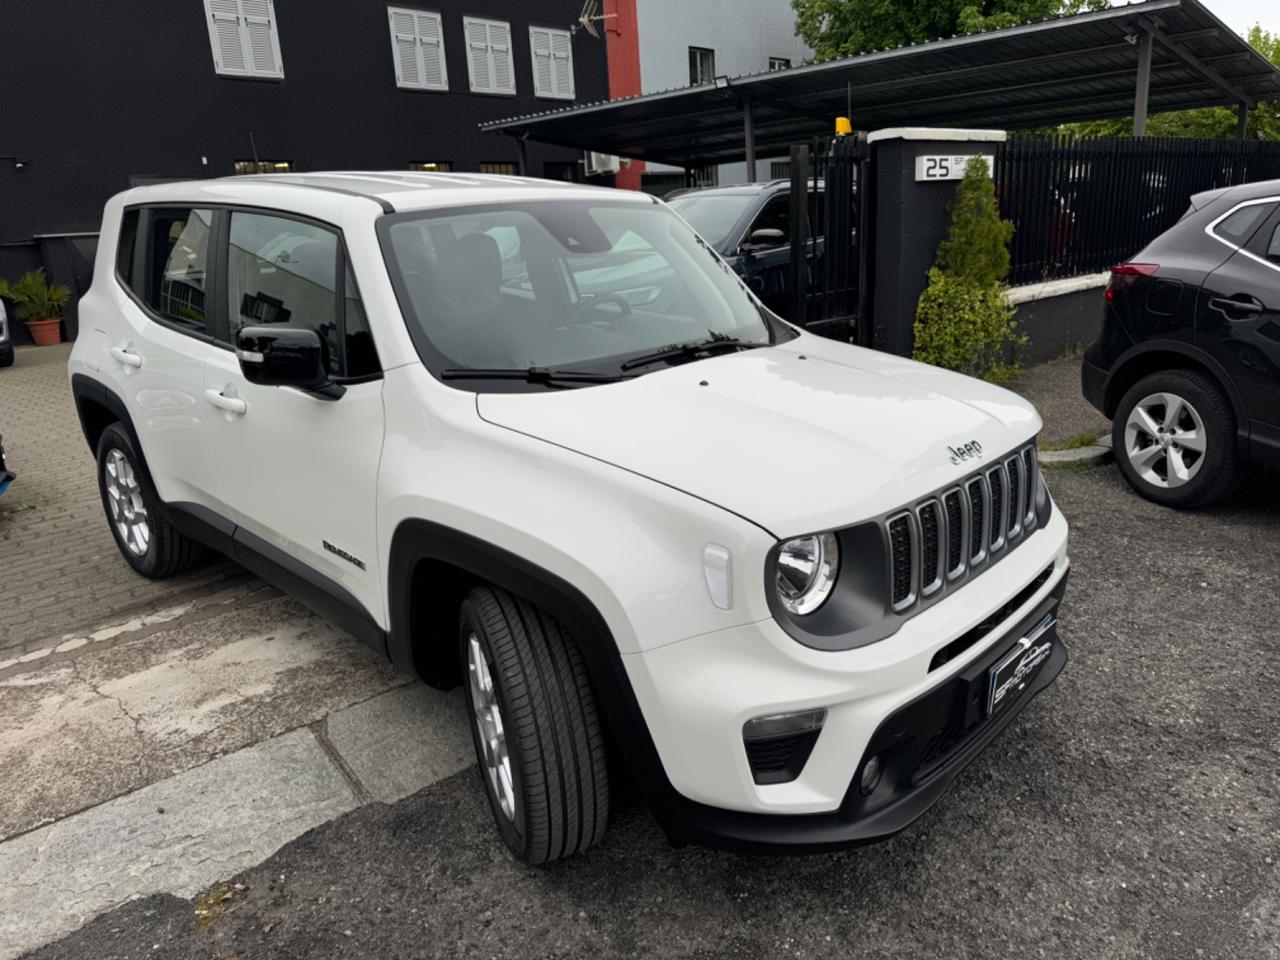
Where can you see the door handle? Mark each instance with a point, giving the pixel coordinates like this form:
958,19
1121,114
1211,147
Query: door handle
223,402
1240,303
126,357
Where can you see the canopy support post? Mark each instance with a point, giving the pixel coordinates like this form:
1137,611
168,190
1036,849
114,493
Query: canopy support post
1242,120
749,138
522,140
1143,84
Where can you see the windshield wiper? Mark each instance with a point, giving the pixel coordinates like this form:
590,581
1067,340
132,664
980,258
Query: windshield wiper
691,351
543,375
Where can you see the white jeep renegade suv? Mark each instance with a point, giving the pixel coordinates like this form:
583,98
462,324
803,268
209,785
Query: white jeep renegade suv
538,439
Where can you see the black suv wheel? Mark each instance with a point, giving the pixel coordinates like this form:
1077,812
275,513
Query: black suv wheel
138,520
1174,437
537,734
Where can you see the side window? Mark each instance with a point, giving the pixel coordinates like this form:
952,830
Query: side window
125,246
1239,226
1266,241
776,215
283,271
177,265
361,355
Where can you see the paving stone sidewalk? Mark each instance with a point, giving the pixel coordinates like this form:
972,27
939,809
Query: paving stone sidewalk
59,567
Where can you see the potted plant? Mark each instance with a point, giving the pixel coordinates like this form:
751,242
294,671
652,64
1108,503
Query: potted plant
39,305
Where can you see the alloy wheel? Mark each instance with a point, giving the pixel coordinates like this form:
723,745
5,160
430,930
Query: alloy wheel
1165,439
128,510
489,728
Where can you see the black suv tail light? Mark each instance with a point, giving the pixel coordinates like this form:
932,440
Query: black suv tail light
1126,275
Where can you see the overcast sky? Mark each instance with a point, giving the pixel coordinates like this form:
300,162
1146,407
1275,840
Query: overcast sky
1240,15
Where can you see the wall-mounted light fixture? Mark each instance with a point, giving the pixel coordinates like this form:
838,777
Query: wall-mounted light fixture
17,161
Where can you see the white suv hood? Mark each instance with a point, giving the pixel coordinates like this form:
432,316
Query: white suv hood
805,436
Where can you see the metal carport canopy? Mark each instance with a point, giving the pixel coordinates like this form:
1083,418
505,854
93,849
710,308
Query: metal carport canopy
1081,67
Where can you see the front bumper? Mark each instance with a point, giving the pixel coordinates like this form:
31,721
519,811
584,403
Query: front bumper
891,699
926,744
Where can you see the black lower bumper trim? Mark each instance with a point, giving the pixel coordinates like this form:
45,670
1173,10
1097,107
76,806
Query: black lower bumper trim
1093,385
907,788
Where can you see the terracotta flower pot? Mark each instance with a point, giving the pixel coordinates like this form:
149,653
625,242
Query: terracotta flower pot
45,333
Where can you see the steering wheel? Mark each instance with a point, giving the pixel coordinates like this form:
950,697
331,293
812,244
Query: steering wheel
592,301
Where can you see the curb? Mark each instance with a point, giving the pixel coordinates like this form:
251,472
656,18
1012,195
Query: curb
1090,456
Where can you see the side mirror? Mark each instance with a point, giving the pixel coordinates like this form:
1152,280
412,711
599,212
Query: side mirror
286,357
766,238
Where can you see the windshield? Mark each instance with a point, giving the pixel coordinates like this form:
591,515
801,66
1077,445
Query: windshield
713,215
556,284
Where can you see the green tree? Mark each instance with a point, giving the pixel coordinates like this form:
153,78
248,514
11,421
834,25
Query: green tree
1202,122
963,321
842,28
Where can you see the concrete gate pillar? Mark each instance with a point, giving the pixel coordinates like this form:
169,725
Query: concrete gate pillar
916,170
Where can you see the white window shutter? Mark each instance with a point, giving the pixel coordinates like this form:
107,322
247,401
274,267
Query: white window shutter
504,74
431,48
417,48
543,78
224,35
263,43
404,48
244,38
562,63
477,32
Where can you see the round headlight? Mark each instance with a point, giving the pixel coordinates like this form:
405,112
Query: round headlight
807,568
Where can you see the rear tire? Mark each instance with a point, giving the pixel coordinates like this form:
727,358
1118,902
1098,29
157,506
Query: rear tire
6,356
531,705
1174,439
137,517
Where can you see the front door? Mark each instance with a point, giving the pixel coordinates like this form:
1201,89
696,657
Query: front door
292,468
1239,322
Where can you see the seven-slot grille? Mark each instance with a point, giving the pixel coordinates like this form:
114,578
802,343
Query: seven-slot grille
951,536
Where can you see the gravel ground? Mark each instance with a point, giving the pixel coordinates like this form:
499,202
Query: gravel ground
1054,388
1133,810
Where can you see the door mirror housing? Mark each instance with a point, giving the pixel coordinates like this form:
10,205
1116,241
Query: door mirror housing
766,238
286,357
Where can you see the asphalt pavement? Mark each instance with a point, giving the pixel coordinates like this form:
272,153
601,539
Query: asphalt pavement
1133,810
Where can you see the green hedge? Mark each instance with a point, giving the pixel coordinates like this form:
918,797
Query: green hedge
963,322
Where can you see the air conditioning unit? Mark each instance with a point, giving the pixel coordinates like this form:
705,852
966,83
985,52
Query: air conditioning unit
601,163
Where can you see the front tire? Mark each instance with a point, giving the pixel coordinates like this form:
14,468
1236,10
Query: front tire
537,734
1174,439
138,519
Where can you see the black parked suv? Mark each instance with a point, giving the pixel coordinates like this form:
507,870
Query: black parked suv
1188,362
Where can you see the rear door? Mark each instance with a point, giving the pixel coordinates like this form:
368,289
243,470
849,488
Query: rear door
157,342
294,469
1239,308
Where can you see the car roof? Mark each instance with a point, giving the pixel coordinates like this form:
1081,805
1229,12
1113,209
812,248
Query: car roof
1251,191
740,188
1237,194
393,190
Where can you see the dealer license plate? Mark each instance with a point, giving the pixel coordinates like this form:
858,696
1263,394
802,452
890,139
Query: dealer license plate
1019,666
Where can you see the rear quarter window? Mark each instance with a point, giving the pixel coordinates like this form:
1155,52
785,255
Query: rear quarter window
1237,227
125,245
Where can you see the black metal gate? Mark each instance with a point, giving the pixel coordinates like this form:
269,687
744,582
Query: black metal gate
831,233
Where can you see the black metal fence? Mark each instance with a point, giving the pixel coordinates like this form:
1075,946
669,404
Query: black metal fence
827,286
1081,205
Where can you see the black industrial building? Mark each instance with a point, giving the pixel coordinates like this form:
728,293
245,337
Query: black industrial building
96,97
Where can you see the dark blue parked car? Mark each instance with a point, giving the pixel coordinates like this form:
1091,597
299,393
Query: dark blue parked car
750,226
